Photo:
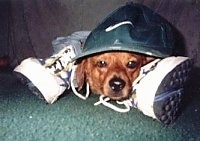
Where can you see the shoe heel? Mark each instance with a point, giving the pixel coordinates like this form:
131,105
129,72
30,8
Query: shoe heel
168,98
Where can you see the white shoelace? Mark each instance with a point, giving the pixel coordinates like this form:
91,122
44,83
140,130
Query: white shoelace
84,97
61,61
104,100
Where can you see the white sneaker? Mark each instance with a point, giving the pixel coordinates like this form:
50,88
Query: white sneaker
159,93
47,78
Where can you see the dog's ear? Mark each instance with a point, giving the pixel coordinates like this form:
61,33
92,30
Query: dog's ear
148,59
80,74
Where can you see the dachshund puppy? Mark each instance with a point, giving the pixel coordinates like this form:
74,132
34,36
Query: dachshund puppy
110,73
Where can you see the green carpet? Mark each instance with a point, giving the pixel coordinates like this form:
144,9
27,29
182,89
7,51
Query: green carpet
24,117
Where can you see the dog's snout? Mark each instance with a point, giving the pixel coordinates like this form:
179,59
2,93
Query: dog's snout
117,84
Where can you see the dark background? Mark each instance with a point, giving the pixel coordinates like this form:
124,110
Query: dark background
27,27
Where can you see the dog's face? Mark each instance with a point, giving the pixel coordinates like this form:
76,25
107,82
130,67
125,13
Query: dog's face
111,73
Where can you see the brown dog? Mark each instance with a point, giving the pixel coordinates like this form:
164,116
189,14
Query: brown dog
110,73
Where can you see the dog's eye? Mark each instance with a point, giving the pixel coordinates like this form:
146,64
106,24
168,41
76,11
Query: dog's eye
101,64
131,64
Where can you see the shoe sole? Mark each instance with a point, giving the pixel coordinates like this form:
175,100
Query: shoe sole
25,81
168,96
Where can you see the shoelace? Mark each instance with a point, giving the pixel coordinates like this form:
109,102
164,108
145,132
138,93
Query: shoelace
61,61
82,96
104,100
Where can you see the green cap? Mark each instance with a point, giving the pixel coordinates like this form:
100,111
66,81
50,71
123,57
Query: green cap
134,28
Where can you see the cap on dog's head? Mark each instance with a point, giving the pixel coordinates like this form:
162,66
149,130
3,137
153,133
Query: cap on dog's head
133,27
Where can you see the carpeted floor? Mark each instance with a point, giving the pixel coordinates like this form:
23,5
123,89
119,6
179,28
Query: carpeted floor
24,117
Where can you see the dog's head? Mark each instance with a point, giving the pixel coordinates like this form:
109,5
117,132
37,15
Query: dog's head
110,73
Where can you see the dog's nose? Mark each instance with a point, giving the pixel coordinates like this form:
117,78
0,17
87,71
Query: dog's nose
117,84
